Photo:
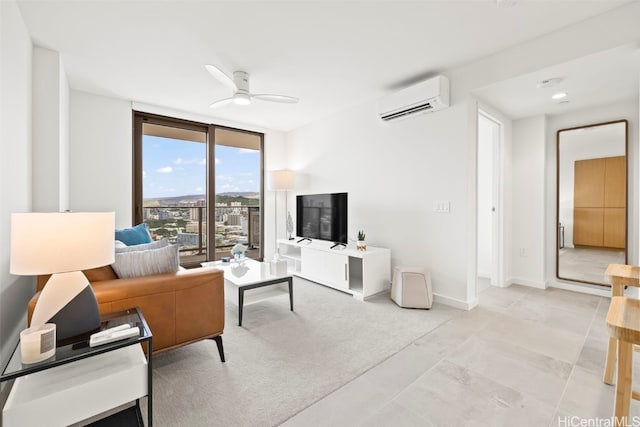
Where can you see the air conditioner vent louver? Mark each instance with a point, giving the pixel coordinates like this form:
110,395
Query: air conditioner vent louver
416,109
427,96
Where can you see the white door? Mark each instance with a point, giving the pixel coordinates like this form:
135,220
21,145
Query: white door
489,134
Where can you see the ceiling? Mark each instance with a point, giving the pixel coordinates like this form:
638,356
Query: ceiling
330,54
599,79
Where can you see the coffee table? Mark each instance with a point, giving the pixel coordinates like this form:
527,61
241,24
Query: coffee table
249,274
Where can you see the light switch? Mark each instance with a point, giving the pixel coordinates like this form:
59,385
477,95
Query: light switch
442,206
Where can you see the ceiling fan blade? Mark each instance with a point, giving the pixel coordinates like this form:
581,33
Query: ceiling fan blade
221,76
275,98
221,102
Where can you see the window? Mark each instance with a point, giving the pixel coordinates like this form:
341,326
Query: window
199,185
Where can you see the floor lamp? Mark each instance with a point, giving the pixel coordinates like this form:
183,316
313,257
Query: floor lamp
279,180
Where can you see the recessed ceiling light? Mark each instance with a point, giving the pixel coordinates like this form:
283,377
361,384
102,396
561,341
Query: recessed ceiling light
559,95
549,82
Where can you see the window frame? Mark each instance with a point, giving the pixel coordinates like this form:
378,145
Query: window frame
139,118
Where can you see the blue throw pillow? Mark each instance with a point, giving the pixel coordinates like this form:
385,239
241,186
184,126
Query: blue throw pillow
134,236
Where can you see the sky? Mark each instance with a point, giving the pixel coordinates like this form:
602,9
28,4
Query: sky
177,168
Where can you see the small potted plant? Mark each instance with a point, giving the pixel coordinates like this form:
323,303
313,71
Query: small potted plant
361,245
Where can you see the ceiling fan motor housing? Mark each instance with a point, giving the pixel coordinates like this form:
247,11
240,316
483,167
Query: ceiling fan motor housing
241,80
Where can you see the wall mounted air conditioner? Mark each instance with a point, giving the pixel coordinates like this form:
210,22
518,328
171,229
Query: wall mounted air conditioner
429,95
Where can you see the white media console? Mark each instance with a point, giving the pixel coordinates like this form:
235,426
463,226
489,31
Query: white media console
359,273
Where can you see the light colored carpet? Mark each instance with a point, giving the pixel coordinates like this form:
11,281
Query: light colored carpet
280,362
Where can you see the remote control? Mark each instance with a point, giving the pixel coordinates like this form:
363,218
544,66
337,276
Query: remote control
114,336
112,330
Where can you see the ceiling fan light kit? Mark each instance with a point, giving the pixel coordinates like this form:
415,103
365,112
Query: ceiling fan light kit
240,85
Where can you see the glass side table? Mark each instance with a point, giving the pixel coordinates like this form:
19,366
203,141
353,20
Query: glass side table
78,352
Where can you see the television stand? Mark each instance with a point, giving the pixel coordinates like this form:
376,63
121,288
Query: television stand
303,239
338,244
359,273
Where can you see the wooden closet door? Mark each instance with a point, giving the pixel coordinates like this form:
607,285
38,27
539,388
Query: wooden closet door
615,182
588,185
614,228
588,227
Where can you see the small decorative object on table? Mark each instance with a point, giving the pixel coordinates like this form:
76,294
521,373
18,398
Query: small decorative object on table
361,245
238,251
38,343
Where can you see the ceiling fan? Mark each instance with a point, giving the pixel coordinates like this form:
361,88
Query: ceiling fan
240,86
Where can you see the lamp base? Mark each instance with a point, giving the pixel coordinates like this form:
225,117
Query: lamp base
68,301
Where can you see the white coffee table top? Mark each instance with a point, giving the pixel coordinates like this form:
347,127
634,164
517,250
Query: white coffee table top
247,272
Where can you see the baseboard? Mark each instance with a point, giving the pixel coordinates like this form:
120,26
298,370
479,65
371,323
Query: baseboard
526,282
455,303
582,288
484,274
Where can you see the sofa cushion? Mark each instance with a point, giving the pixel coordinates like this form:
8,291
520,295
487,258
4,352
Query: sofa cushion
145,263
134,235
157,244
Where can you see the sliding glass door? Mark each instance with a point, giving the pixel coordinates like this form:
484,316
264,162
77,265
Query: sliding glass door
238,184
199,185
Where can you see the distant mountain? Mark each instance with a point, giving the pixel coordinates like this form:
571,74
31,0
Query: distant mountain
244,197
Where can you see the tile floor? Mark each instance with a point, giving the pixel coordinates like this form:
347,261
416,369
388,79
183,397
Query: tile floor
588,264
524,356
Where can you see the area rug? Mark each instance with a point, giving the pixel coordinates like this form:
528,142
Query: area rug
280,362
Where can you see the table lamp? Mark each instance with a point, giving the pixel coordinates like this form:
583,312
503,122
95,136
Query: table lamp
62,244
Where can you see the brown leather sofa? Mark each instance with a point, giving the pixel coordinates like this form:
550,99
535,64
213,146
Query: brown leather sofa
180,308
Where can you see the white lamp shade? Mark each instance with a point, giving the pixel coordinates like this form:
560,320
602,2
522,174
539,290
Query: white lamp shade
47,243
280,180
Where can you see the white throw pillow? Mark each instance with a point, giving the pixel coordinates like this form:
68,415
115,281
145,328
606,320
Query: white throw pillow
162,243
146,263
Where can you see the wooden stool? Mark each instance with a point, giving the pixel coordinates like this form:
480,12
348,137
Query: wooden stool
621,275
623,323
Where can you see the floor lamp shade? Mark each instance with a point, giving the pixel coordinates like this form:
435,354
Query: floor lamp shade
280,180
63,244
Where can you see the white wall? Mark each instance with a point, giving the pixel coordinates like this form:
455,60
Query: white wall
15,166
50,132
528,200
63,128
623,110
100,160
394,172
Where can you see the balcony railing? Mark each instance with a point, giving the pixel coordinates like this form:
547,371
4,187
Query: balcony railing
186,226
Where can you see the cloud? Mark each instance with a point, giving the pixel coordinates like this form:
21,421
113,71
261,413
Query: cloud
196,161
248,151
229,187
198,189
217,161
166,169
144,174
224,178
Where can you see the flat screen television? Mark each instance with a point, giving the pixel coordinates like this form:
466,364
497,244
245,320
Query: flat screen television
322,216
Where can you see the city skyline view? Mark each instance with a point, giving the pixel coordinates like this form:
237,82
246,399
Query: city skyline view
174,167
